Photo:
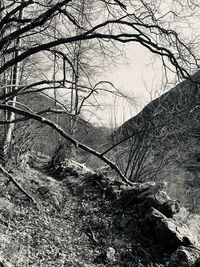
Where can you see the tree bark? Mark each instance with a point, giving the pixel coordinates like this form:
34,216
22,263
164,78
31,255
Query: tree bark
14,82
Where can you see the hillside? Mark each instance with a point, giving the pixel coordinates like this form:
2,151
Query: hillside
84,217
174,104
165,143
76,195
89,220
35,136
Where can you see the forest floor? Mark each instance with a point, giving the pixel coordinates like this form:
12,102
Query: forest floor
74,224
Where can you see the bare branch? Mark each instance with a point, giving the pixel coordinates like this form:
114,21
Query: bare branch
67,137
11,178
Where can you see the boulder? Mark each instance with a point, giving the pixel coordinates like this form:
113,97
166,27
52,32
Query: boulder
34,159
185,257
70,167
167,232
40,161
110,254
193,222
148,195
160,200
129,194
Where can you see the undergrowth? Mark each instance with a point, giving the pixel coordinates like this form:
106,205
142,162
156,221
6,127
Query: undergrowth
74,225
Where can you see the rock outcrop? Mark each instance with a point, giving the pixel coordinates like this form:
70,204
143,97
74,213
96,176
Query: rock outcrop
153,210
170,233
158,222
185,257
70,167
149,195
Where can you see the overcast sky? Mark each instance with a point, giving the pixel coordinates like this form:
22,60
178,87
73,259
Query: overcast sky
141,79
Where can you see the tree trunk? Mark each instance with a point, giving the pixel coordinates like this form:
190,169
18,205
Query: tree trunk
14,80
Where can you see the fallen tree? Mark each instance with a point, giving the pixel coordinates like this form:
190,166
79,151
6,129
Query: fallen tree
34,116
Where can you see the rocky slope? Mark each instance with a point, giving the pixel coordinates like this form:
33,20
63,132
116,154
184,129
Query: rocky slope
89,219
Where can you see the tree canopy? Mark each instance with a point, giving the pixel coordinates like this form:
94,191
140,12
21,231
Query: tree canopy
52,36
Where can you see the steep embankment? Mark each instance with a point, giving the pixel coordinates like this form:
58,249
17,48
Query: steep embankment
168,144
88,220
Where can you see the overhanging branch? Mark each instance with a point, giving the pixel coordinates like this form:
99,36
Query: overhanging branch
67,137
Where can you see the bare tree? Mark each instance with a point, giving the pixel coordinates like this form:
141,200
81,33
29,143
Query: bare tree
14,81
117,23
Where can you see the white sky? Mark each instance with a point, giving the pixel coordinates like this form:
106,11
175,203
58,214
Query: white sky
141,79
